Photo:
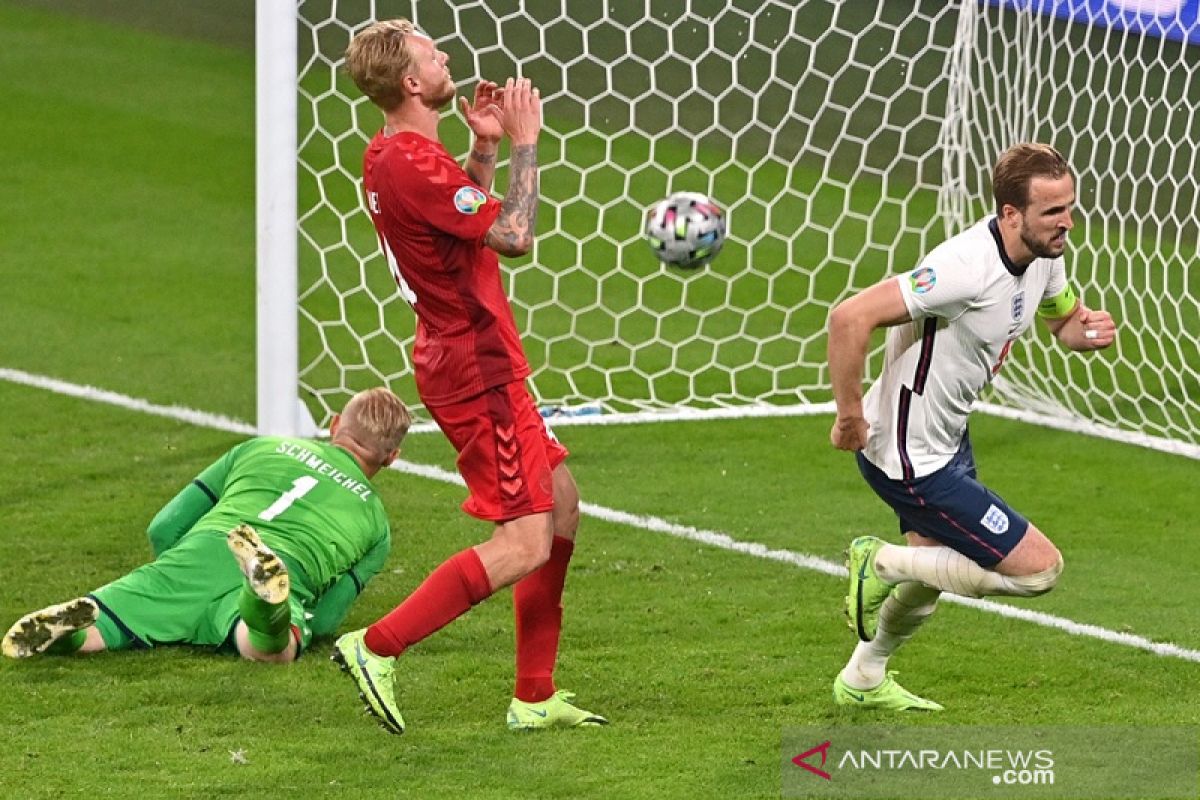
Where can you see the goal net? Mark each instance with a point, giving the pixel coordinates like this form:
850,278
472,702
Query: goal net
1116,89
844,141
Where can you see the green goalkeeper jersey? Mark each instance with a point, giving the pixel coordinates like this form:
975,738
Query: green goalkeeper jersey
308,500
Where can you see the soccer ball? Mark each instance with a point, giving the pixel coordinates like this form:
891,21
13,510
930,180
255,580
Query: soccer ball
685,230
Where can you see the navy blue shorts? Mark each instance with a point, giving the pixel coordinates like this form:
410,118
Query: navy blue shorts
953,507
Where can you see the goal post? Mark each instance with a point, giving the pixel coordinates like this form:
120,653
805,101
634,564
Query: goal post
277,338
844,140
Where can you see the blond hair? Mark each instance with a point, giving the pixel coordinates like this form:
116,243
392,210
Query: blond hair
378,58
376,421
1020,164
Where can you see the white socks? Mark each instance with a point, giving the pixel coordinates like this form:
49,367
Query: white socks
922,574
951,571
899,617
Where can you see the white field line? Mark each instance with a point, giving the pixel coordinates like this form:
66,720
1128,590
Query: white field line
648,523
199,418
726,542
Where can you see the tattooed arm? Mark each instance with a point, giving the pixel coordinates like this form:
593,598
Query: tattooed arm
512,232
521,117
481,163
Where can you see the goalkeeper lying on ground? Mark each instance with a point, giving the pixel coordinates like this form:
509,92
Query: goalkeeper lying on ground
306,530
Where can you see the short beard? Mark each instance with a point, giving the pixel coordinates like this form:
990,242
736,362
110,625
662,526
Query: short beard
1039,249
440,101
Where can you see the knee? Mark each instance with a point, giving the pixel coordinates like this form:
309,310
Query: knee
530,553
247,649
270,658
566,504
1039,583
566,517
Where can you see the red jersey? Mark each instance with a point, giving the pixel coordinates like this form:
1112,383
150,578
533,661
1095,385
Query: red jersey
431,219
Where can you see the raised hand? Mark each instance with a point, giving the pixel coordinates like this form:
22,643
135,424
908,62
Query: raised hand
483,116
521,111
1099,328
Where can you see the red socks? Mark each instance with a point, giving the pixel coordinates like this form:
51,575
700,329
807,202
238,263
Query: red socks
448,593
537,603
461,582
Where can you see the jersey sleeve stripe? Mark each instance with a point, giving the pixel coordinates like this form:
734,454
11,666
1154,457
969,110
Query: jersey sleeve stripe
206,490
919,380
927,336
902,432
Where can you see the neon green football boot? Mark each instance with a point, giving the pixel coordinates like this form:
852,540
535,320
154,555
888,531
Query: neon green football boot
556,711
867,589
887,696
373,676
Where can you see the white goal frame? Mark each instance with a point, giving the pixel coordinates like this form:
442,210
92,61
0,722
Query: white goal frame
278,351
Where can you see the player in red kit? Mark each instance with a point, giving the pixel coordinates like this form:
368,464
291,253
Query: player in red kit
442,231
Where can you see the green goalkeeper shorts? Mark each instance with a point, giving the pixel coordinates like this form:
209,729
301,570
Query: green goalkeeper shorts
189,595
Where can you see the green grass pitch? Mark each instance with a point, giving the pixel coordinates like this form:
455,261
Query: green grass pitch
126,261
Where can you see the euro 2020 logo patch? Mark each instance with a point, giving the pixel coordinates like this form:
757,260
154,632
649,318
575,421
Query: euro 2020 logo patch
922,280
469,200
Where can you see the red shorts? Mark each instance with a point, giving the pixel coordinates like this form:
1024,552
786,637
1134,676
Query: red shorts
506,454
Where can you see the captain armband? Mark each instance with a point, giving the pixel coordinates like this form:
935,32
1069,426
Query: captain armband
1058,306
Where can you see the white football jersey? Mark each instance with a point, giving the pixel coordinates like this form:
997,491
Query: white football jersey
968,303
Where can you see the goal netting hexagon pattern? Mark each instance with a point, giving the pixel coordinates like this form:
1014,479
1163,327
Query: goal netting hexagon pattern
844,140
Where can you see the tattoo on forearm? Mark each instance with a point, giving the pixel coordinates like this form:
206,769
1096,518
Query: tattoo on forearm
480,167
518,213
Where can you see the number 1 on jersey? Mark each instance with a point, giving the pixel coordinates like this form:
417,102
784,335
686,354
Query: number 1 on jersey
300,487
